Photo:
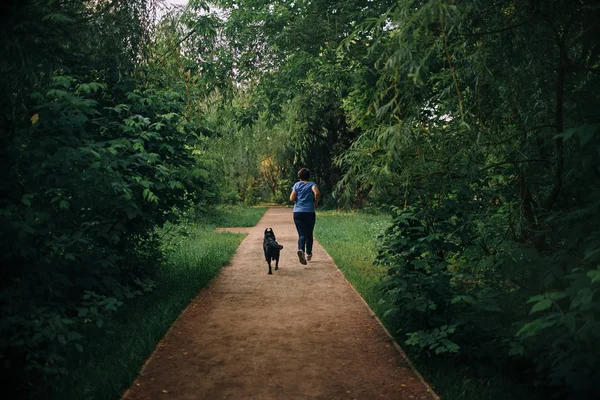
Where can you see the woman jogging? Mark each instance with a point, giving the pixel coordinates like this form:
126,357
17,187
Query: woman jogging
306,196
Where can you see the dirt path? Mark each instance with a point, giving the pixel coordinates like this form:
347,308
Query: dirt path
301,333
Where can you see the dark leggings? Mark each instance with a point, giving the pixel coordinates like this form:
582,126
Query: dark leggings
305,223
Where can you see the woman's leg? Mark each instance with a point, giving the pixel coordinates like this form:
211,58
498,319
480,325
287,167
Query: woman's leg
310,226
301,228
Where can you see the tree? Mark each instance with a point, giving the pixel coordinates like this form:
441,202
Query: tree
474,107
100,149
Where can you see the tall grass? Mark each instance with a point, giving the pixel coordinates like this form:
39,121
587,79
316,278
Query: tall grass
350,239
195,254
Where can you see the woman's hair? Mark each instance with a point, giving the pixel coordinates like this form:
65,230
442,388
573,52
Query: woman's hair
304,174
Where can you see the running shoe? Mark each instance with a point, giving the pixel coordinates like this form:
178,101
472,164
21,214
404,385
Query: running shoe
301,257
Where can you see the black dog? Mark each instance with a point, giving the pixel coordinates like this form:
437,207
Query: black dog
271,248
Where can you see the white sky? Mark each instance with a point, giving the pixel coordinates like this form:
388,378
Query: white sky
162,10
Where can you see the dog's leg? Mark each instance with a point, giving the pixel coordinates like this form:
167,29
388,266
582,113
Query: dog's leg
276,264
269,262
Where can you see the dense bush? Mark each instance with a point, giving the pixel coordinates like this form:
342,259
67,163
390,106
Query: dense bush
460,288
482,135
97,154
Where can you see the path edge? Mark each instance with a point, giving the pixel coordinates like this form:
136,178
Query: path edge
191,302
392,340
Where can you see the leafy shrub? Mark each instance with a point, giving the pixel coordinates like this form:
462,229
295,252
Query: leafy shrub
427,289
459,288
563,339
97,158
562,332
90,197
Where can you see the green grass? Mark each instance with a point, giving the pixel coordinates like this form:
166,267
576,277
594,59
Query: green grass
112,360
350,239
233,216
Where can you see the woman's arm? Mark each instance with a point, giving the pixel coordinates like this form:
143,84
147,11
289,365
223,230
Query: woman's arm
293,195
316,192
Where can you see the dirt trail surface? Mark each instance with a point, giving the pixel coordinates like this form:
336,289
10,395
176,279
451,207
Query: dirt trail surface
301,333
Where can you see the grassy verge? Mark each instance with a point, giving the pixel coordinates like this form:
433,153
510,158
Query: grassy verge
229,216
350,239
111,360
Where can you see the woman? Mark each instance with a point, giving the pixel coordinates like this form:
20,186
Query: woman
306,196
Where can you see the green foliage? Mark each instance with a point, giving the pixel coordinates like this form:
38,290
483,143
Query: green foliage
561,333
435,340
194,255
469,121
476,136
475,122
232,216
563,338
289,66
441,301
351,240
103,189
99,153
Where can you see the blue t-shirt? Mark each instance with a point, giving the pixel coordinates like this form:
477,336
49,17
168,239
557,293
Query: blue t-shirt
305,201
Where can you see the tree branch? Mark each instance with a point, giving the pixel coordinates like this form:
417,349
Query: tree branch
494,32
519,134
559,121
541,160
177,45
